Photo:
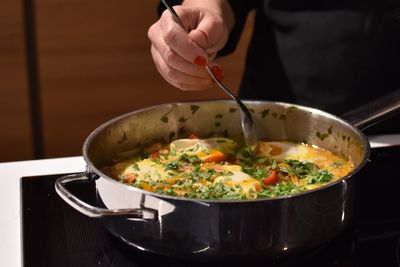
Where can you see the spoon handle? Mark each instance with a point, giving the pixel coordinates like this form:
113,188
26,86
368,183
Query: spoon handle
174,15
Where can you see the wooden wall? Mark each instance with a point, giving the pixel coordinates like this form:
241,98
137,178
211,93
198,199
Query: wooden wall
94,63
15,132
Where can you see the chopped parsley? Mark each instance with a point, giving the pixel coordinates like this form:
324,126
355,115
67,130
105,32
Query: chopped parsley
319,177
222,169
191,159
298,168
173,165
281,189
256,172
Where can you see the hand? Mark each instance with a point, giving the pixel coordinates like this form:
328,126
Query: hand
180,55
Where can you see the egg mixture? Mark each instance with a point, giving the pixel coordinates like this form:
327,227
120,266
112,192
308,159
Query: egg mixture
221,168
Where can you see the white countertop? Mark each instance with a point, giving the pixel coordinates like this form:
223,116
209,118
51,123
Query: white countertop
10,222
10,172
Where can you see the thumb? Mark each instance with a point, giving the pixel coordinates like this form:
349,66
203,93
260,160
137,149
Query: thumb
210,34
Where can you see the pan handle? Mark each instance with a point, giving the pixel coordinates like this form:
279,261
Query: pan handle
375,111
95,212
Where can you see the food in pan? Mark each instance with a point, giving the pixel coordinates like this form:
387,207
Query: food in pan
221,168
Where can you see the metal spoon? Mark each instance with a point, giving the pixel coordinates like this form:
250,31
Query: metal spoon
248,126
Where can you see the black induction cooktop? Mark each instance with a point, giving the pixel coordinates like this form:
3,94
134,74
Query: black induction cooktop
54,234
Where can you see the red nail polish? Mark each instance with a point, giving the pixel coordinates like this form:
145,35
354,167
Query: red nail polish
219,76
200,61
216,70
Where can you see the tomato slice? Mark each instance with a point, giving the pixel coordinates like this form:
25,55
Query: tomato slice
271,179
193,136
155,154
231,159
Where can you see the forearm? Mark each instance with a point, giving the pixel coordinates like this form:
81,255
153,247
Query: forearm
221,8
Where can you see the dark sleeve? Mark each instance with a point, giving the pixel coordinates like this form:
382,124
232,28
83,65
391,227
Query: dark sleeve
241,9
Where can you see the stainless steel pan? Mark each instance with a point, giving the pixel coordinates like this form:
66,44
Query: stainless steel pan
199,229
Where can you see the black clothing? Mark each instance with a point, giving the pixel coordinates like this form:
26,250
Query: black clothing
333,55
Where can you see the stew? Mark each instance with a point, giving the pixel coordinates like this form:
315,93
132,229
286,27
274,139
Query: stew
221,168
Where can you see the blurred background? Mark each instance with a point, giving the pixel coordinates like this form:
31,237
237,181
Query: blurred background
67,66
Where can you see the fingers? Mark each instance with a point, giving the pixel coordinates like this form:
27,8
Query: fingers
178,78
211,34
177,38
175,61
180,54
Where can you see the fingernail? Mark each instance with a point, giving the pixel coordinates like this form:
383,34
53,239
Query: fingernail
200,61
218,73
219,76
216,70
